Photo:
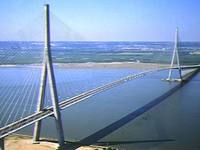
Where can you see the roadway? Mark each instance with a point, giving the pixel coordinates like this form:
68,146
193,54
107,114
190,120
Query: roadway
48,111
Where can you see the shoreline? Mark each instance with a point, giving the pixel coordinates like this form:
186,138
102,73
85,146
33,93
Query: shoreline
24,142
94,65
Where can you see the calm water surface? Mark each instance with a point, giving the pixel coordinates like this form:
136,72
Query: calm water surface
172,124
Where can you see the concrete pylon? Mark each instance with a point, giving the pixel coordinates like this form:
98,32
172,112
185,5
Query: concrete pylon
175,56
48,71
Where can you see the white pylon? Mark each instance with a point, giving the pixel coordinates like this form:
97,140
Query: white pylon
48,70
175,52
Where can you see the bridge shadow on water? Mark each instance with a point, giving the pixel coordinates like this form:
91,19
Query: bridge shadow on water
73,146
93,139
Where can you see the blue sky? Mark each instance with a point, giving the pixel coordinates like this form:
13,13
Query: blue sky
104,20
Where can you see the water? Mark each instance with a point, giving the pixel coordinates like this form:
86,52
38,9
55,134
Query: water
172,124
81,52
19,87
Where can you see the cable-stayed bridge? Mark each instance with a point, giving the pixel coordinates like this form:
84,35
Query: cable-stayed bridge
54,110
48,111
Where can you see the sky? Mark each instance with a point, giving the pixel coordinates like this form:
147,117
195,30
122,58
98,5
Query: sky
102,20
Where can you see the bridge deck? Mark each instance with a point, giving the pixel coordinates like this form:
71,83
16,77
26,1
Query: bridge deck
11,128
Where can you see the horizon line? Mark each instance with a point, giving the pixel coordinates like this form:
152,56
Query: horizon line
96,41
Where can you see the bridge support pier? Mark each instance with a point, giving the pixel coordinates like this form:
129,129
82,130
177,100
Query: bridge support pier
175,56
2,144
48,70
